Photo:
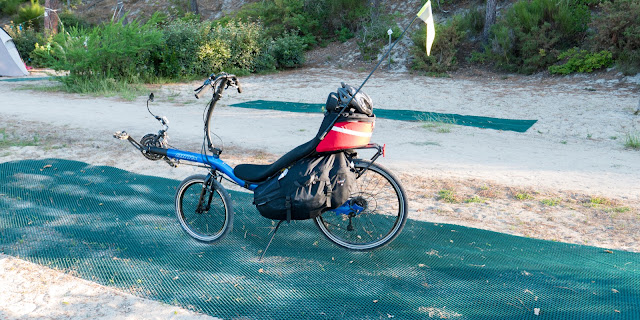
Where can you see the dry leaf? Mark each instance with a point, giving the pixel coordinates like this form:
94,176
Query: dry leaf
608,251
614,291
47,166
375,301
261,270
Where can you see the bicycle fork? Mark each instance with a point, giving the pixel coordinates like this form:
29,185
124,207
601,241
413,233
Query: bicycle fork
207,185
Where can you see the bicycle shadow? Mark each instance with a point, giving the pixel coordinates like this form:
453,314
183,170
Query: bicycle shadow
118,229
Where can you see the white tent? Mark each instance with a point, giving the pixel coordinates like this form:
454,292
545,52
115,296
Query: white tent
10,63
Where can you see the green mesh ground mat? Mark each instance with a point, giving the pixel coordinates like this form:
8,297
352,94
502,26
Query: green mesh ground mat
403,115
25,79
118,229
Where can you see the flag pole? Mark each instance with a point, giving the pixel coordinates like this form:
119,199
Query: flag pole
384,57
367,79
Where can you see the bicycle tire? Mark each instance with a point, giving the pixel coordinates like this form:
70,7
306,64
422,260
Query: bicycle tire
381,222
209,225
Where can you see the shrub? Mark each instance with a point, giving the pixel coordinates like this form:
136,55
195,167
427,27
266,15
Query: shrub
339,16
110,51
245,41
213,55
617,30
25,40
68,20
265,62
472,21
182,41
445,48
582,61
344,34
10,7
531,34
280,16
288,50
314,20
373,33
30,15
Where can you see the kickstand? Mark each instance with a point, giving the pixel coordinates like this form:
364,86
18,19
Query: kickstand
273,235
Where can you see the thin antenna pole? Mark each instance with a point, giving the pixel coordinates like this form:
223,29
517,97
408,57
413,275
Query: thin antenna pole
367,79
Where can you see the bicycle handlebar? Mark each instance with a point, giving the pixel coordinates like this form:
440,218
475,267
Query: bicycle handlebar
214,80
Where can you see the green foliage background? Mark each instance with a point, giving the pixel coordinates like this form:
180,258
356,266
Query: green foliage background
529,36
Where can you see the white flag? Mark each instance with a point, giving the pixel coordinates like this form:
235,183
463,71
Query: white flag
427,16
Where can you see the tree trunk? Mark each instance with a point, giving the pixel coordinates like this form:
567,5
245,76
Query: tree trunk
194,6
50,17
489,18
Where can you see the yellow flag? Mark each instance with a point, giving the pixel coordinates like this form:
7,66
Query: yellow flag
426,16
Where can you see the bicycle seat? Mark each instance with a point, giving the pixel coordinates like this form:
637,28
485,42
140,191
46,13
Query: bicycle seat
261,172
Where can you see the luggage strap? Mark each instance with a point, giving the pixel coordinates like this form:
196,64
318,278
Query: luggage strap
287,203
329,191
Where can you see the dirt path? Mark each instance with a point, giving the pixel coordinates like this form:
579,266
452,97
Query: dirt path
569,178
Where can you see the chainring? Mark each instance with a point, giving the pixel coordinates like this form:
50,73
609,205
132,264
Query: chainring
151,140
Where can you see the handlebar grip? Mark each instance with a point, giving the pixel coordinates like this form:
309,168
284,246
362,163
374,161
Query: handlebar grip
201,93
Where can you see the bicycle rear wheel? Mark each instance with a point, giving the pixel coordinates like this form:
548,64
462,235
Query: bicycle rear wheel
204,208
382,216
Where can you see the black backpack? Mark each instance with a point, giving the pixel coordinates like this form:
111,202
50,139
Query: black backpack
308,188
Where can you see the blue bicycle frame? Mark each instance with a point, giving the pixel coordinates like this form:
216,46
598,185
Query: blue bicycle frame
211,161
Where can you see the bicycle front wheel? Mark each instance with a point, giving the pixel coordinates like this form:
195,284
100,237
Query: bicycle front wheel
204,208
381,211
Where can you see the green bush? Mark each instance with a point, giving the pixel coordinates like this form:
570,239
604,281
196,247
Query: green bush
338,15
288,50
265,62
472,21
531,34
581,61
25,40
10,7
344,34
280,16
314,20
444,50
68,20
181,48
246,41
110,51
617,29
373,36
213,55
31,15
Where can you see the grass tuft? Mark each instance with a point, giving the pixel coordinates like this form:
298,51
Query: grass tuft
448,195
632,141
522,196
11,140
475,199
439,124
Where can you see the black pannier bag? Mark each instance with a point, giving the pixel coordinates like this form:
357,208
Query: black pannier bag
308,188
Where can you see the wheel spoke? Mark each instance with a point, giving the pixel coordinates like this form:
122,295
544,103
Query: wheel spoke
209,225
381,220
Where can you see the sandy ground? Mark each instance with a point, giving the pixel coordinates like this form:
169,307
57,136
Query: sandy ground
30,291
569,178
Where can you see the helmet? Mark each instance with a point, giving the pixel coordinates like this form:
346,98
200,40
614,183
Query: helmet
361,102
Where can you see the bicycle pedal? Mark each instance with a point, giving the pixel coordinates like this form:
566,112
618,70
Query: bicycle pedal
122,135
